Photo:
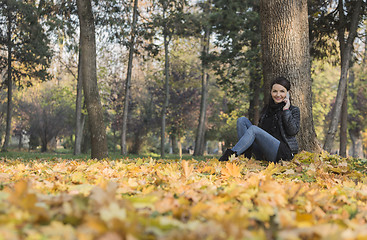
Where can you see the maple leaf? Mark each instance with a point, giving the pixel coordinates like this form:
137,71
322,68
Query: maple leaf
312,196
231,170
187,169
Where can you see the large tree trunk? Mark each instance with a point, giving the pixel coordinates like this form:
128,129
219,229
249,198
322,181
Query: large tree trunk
79,116
346,47
9,82
200,134
128,81
90,86
285,52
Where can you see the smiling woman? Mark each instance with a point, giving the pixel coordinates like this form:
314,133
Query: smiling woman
274,138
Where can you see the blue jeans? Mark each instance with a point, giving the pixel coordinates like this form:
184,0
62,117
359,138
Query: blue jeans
264,145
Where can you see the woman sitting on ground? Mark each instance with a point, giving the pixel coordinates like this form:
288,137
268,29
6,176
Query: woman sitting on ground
275,138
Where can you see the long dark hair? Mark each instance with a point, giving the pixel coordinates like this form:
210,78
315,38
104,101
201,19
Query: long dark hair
281,81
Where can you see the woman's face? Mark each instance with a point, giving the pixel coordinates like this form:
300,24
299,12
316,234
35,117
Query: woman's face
278,93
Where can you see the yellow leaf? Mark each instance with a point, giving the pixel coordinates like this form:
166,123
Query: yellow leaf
286,218
113,211
304,219
21,197
231,170
187,169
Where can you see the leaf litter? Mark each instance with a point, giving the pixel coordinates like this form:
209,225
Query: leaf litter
314,196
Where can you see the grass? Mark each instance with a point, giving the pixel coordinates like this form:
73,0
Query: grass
64,154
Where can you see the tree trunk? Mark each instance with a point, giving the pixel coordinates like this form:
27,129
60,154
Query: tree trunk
9,107
346,47
90,86
174,143
44,145
180,148
254,109
200,135
255,83
128,81
20,143
138,140
79,116
166,87
285,52
344,126
357,142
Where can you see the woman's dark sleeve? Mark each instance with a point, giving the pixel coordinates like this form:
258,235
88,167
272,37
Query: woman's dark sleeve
291,120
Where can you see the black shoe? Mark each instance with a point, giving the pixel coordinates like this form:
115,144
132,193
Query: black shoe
248,153
227,154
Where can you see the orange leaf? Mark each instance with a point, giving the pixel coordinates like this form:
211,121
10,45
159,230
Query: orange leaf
231,170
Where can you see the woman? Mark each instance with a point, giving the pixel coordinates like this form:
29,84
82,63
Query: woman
274,139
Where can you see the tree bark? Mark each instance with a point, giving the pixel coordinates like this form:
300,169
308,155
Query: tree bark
200,134
357,142
9,107
79,116
254,109
90,86
346,47
20,143
166,85
128,80
344,126
285,52
174,143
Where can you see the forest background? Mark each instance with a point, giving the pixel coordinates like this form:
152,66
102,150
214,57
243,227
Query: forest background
189,69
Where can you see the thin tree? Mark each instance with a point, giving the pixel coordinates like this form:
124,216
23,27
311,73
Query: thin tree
28,54
169,20
89,79
79,116
285,52
200,134
128,79
346,47
358,96
344,125
166,40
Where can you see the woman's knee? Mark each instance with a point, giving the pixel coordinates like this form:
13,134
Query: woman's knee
254,129
243,121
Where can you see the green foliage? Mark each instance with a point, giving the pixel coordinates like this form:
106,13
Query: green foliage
227,130
28,43
357,109
239,43
46,112
322,26
168,19
324,86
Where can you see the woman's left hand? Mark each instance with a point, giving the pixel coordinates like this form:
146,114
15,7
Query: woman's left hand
287,104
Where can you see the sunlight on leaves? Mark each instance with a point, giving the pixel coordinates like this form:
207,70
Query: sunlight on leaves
314,196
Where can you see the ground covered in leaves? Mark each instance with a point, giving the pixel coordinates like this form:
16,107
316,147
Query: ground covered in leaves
315,196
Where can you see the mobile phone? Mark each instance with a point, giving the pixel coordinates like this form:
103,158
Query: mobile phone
287,95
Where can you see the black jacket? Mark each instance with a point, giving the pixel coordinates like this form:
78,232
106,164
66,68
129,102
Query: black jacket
288,123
